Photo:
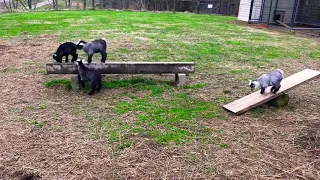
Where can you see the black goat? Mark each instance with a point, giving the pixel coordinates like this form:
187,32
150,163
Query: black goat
91,75
96,46
66,49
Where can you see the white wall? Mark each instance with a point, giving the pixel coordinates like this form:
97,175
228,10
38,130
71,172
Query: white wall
244,10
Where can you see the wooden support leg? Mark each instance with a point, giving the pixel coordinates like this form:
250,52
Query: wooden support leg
180,79
75,82
280,101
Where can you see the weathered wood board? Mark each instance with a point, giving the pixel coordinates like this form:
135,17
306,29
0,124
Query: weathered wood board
255,99
125,67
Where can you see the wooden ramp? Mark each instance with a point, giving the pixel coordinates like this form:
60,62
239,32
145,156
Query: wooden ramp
255,99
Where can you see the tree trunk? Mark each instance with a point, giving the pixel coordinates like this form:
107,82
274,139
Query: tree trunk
54,4
22,4
5,4
168,5
15,4
34,4
30,4
174,5
57,4
84,4
93,4
10,5
142,5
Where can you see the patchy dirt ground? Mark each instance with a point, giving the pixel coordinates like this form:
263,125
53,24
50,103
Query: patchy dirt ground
265,143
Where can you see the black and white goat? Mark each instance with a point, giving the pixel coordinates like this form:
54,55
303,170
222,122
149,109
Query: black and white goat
96,46
271,79
91,75
66,49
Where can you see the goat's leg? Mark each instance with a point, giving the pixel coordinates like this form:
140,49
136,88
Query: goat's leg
262,90
93,87
81,83
276,89
67,58
74,56
99,85
272,89
90,58
103,56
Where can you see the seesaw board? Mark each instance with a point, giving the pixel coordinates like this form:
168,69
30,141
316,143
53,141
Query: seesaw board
255,99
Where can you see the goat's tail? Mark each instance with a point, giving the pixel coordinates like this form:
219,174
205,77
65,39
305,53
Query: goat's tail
281,71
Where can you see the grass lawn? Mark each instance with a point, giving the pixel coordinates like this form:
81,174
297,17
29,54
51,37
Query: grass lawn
140,126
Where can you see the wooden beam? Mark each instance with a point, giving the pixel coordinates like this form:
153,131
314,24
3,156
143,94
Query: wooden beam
255,99
125,67
283,24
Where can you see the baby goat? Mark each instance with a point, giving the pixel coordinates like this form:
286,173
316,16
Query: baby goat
271,79
86,74
66,49
96,46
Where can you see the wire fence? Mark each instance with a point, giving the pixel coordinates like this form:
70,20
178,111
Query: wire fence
295,14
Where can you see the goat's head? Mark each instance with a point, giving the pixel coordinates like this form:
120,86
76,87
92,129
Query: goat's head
57,58
254,84
80,44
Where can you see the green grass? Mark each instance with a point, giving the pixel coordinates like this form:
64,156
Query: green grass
195,86
58,82
39,124
9,70
204,39
173,119
160,115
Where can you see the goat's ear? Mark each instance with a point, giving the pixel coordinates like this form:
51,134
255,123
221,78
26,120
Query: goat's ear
250,81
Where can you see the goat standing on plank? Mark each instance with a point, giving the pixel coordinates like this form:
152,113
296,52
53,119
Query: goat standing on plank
96,46
66,49
271,79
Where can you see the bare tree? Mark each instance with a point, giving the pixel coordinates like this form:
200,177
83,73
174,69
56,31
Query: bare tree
30,4
168,5
5,3
15,4
142,6
84,4
22,4
53,4
57,4
93,6
35,2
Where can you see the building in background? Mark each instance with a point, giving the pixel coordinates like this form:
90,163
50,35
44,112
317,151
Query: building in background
293,14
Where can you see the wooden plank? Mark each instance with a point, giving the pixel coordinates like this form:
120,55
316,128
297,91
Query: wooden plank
255,99
125,67
283,24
